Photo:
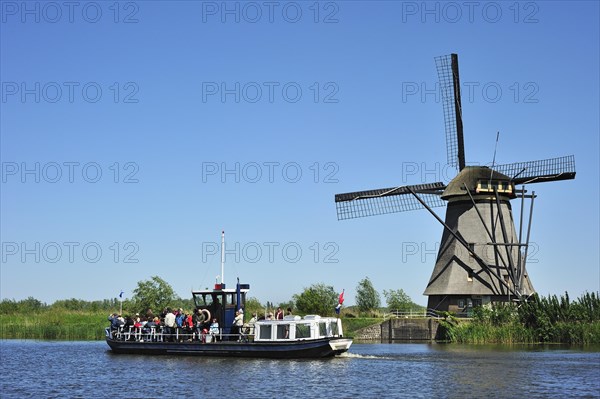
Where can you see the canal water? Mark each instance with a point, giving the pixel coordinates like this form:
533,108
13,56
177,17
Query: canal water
88,369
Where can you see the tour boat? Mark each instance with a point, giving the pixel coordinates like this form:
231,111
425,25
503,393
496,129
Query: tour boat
310,336
293,336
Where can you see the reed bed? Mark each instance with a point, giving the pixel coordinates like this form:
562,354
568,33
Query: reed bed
53,325
549,319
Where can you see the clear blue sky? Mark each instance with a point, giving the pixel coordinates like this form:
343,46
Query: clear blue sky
201,115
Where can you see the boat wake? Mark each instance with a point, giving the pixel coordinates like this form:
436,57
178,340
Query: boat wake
359,356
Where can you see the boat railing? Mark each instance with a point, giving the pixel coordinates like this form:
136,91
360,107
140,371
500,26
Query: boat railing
165,334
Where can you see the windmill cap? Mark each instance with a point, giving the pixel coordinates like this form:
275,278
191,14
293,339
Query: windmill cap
470,176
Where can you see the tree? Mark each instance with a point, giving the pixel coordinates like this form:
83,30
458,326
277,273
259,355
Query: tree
398,300
154,294
24,306
253,305
367,298
318,299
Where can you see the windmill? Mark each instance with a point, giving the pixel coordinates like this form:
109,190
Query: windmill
482,257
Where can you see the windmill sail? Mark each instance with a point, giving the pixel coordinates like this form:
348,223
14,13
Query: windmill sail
447,69
552,169
387,200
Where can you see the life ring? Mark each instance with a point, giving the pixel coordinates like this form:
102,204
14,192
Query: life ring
207,313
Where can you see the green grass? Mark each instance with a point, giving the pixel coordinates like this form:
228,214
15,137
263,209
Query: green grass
59,325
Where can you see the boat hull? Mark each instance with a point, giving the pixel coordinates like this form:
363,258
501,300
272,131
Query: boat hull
319,348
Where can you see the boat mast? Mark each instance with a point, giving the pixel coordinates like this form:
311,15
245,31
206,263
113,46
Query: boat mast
223,257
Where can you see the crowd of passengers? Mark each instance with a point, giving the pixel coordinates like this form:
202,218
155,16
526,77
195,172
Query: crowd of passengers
183,326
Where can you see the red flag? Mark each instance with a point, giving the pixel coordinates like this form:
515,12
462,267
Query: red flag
341,299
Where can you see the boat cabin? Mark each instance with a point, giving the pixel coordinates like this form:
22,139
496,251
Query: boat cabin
222,303
295,328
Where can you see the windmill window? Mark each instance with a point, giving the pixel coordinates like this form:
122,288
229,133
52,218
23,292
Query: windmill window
461,303
471,248
470,275
506,278
491,185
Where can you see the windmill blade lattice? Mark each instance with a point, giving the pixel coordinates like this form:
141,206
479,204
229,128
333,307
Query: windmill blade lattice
552,169
447,69
387,200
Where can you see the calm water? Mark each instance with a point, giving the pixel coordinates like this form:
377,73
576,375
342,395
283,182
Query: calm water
89,369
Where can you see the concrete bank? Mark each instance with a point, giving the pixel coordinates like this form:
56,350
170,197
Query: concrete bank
400,329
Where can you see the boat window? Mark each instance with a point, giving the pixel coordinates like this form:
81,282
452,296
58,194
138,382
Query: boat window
283,331
265,332
302,331
334,329
323,329
202,300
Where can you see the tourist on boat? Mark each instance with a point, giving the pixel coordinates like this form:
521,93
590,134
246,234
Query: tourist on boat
253,320
179,315
128,327
170,324
137,324
289,312
238,322
198,320
269,316
279,314
129,321
214,329
249,327
189,326
181,319
151,324
115,323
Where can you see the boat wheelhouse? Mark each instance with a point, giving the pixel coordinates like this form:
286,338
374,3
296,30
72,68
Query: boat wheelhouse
221,303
